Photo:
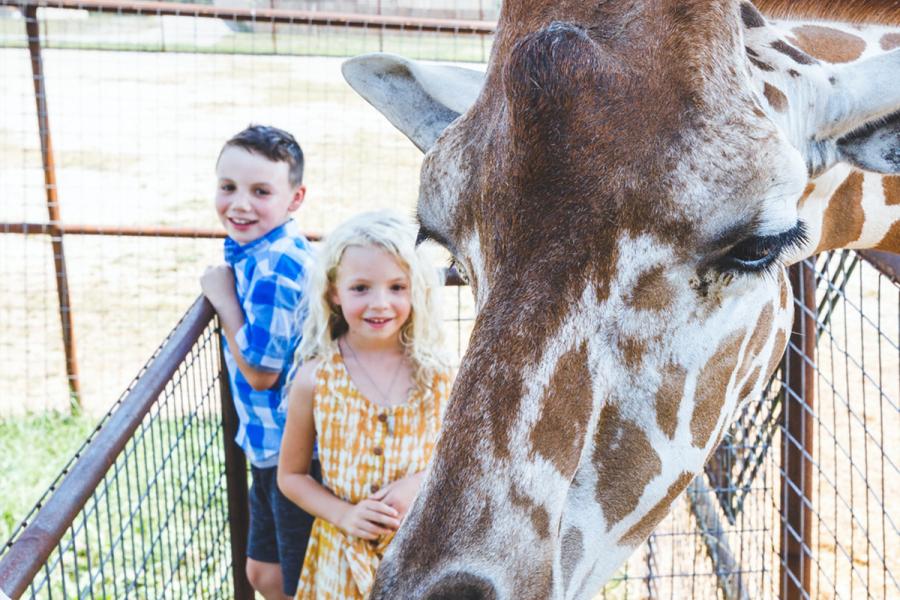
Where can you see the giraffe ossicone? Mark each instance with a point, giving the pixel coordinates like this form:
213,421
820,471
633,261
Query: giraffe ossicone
624,186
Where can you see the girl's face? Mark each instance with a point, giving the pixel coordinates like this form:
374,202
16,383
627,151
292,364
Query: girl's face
372,289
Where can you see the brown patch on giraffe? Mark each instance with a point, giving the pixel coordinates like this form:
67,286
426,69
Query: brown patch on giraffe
844,217
798,56
558,434
669,397
757,342
633,350
777,352
640,530
828,44
762,66
776,97
571,553
625,463
651,291
751,17
891,240
748,386
711,387
889,41
807,192
540,520
891,185
783,299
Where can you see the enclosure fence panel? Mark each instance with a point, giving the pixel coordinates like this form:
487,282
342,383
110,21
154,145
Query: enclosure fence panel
141,510
130,103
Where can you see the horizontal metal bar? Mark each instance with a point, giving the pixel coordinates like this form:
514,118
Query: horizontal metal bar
173,232
268,15
30,551
449,276
886,262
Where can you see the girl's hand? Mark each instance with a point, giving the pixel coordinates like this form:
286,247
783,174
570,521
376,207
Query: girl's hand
400,494
369,519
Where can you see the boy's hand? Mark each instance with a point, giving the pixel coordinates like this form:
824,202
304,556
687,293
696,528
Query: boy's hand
400,494
217,283
369,519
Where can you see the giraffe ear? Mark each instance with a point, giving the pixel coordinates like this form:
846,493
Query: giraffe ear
420,100
862,118
874,147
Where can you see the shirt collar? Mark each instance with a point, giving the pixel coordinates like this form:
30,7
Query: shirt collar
235,252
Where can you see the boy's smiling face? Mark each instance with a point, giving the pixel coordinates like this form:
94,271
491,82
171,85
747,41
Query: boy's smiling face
254,194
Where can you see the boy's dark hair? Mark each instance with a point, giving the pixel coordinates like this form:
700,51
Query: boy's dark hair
275,144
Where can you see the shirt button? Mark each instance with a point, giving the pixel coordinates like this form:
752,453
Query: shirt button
377,451
382,417
374,487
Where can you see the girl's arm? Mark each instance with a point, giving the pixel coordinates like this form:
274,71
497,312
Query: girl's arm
367,519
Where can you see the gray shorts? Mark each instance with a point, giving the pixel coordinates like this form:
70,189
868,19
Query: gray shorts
279,529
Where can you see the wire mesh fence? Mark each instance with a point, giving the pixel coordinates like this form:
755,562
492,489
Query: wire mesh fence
141,510
795,503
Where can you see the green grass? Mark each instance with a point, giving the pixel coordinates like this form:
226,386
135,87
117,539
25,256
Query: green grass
155,521
33,450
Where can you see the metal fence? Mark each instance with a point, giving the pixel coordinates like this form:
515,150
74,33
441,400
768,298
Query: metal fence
795,503
142,507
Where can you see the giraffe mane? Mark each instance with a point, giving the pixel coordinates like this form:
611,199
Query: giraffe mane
882,12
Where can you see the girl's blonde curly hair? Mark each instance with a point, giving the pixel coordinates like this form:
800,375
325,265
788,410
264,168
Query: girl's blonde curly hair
422,335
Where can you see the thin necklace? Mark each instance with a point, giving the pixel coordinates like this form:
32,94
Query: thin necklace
385,396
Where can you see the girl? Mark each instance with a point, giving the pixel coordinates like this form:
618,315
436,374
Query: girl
371,390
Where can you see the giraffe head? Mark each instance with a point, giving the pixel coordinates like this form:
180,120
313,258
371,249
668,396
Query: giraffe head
623,204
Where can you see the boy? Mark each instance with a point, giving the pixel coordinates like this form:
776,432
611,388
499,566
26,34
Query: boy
257,296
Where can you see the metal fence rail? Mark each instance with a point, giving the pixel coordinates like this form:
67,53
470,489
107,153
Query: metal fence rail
142,508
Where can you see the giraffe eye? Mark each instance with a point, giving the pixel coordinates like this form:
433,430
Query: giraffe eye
754,251
758,253
460,269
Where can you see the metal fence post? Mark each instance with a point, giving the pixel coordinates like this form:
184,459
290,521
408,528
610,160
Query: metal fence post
797,440
236,483
33,33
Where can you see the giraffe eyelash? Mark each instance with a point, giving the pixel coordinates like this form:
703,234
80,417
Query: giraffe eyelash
762,254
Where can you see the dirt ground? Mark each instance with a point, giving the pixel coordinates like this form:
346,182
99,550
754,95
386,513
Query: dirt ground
136,136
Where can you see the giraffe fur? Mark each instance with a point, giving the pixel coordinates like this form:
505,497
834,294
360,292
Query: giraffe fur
623,187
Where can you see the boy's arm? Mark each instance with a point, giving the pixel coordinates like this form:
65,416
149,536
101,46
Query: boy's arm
369,518
218,286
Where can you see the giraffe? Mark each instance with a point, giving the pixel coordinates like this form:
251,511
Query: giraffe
623,188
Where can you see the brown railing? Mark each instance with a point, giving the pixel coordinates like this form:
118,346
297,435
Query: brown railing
153,497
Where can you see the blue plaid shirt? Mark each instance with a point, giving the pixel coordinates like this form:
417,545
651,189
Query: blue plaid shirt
270,280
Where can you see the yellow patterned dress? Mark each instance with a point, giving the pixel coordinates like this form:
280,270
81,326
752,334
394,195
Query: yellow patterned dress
362,447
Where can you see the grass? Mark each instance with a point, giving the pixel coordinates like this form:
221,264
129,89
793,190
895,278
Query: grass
154,523
51,438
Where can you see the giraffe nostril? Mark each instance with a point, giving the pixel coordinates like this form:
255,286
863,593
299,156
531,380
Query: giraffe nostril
461,586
